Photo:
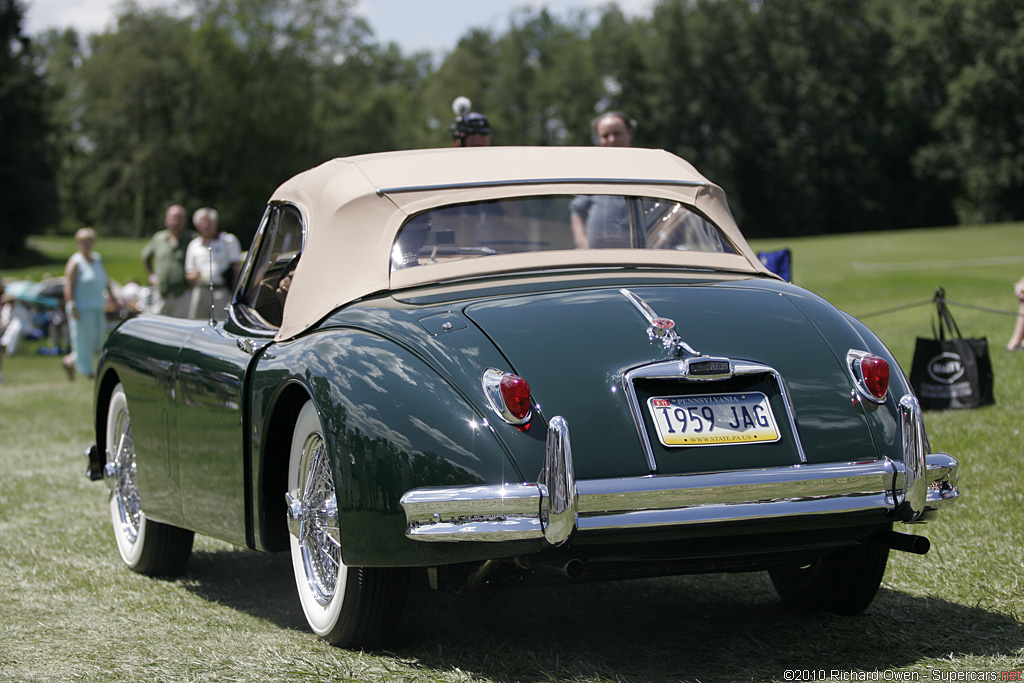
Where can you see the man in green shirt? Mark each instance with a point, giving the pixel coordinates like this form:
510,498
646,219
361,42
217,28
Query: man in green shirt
164,258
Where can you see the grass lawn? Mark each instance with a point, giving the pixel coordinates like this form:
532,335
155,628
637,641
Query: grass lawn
48,254
70,611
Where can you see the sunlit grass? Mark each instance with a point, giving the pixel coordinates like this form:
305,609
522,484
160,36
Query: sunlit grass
48,254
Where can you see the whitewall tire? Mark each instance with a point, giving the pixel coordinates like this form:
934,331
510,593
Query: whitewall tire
351,607
146,546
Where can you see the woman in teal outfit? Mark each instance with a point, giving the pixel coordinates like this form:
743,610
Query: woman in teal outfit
85,281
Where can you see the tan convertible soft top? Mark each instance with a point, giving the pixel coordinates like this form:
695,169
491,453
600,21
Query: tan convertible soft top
354,207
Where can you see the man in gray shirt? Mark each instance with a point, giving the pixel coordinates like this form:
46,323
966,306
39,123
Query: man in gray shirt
602,221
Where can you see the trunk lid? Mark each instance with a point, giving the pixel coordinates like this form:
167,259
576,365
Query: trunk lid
576,346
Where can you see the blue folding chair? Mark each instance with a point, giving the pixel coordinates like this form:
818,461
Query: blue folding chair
779,262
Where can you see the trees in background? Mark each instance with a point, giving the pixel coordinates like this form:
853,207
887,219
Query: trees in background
963,61
27,175
136,114
815,115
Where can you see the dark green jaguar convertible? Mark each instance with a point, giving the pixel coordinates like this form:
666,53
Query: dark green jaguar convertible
499,365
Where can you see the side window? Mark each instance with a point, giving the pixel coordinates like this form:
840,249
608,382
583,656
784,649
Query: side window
271,272
671,225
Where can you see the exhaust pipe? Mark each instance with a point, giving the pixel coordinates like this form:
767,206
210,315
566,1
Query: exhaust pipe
493,574
908,543
488,576
570,569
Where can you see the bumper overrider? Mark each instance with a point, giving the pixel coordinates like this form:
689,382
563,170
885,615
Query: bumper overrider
557,505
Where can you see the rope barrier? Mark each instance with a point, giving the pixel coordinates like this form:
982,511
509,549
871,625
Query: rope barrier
982,308
897,308
934,300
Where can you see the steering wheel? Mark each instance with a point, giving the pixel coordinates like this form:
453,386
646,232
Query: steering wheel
286,271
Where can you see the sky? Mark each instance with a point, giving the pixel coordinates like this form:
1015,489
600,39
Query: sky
434,25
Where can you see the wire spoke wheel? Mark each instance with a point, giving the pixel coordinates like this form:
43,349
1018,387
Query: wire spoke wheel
124,492
352,607
321,540
145,546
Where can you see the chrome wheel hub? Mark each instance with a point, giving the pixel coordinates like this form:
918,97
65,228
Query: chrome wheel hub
119,473
313,520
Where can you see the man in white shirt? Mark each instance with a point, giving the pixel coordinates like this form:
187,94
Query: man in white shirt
211,266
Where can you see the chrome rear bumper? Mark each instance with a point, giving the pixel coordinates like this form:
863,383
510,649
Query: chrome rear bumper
557,505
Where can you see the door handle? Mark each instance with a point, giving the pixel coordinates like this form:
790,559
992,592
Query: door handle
246,346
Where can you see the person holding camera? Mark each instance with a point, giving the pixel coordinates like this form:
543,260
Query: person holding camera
471,128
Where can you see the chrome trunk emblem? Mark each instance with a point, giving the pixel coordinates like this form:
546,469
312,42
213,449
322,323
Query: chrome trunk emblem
661,330
662,325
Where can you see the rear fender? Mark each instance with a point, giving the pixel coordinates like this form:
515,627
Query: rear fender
888,420
392,423
927,481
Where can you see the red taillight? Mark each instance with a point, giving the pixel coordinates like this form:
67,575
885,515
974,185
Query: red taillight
870,374
515,392
509,396
875,371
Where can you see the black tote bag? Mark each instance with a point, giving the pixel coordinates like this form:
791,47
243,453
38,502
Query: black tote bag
949,371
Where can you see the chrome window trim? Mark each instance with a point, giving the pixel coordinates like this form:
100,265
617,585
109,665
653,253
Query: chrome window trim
382,191
680,370
250,320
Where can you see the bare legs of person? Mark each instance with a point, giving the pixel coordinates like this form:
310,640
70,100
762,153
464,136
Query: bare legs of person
1018,332
68,362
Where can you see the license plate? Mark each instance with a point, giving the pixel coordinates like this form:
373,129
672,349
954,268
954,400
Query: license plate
713,419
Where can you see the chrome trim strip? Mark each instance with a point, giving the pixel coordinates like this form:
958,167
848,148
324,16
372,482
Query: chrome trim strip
558,479
532,511
558,506
943,481
797,482
641,305
877,505
915,446
381,191
680,370
503,512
